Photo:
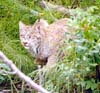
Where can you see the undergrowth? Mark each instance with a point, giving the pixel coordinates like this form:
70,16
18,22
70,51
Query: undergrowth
77,72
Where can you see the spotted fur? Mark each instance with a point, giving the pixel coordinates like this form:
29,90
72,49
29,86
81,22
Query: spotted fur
43,40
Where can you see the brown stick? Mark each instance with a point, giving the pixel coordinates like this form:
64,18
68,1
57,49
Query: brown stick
22,75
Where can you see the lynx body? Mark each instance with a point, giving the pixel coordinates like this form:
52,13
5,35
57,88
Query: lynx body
43,40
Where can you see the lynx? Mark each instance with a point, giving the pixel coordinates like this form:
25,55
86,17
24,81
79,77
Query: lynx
43,40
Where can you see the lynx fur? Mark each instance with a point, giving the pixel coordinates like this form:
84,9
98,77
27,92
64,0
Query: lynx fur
43,40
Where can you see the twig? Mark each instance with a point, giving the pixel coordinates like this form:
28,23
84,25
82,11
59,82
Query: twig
22,75
40,75
55,7
4,72
47,7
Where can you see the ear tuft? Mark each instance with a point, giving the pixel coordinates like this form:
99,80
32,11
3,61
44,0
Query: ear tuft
21,25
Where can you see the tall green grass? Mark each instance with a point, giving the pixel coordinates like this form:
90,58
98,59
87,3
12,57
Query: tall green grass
11,12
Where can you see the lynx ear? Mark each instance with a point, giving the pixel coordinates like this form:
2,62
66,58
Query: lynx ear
44,22
40,25
21,25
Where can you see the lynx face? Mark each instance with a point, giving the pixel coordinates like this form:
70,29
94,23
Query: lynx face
24,34
30,36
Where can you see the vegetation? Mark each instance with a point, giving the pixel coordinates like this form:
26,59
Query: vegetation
79,71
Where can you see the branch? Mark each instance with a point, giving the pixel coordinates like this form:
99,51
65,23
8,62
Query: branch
55,7
22,75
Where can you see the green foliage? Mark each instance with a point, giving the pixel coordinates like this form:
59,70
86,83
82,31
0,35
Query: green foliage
83,55
91,84
11,14
2,74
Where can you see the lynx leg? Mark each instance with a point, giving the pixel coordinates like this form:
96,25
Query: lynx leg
51,61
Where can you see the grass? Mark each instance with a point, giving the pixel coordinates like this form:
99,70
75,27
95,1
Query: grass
11,14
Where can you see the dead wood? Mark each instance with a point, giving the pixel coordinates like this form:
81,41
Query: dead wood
58,8
22,75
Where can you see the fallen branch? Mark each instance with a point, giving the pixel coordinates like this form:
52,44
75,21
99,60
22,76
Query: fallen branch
22,75
55,7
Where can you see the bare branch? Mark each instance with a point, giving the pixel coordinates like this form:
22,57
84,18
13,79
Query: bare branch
22,75
55,7
4,72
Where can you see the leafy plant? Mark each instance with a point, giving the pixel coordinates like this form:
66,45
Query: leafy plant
82,55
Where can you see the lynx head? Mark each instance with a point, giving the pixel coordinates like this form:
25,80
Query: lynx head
30,35
24,34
